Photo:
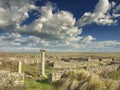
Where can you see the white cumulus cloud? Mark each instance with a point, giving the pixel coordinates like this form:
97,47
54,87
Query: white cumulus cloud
54,31
101,15
13,12
53,26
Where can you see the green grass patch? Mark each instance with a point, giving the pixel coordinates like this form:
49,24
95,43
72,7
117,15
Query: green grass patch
37,84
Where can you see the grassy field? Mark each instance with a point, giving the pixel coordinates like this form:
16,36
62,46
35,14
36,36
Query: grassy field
36,82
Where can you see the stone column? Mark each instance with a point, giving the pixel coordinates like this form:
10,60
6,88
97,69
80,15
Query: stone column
19,66
89,58
42,72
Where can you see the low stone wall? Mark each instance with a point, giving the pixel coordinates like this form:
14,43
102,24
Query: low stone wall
74,64
30,61
56,75
100,69
11,78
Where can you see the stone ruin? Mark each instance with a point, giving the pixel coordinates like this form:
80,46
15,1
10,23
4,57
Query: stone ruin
94,65
11,78
91,64
8,78
56,75
42,64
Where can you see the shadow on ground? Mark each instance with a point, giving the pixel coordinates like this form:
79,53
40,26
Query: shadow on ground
44,81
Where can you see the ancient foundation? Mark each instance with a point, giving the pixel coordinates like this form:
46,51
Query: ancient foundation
8,78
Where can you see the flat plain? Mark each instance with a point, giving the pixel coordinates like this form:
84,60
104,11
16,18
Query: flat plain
66,61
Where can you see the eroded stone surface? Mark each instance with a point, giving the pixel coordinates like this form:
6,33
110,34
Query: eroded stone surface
11,78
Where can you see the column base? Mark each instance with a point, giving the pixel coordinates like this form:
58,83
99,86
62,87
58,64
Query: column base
41,75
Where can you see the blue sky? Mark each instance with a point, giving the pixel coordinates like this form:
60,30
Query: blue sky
60,25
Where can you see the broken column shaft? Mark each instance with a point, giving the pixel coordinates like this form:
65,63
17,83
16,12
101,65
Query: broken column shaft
42,72
19,66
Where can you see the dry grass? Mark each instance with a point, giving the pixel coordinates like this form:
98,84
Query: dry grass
9,65
111,85
115,74
82,80
12,88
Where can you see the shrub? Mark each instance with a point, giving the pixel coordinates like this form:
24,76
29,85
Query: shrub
82,80
111,85
111,74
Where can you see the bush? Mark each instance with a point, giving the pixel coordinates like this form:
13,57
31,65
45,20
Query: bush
111,74
111,85
82,80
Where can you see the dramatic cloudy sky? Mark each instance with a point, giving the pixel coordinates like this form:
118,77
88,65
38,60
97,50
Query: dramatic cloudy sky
60,25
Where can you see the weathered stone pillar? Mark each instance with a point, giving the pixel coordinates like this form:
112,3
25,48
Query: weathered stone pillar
19,66
42,72
89,58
